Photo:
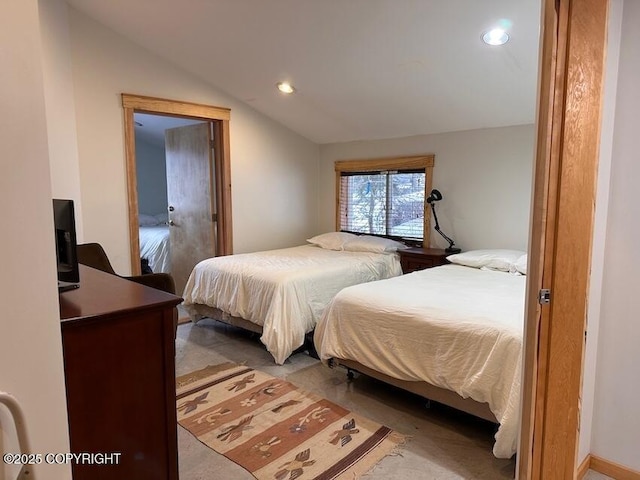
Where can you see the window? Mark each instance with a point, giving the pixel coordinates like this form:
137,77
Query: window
384,196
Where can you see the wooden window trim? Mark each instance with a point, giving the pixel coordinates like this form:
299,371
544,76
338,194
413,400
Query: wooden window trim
421,162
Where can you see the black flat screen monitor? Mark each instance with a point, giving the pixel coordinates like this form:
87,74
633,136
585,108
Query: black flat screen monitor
66,255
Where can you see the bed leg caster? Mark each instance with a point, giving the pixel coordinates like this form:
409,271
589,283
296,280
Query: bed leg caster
350,374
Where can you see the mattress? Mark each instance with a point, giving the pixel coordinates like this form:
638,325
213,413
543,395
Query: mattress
455,327
284,291
154,246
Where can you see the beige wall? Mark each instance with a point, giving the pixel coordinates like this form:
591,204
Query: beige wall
616,422
484,176
30,345
60,105
270,165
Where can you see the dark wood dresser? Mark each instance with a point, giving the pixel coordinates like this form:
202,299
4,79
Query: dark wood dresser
418,258
119,359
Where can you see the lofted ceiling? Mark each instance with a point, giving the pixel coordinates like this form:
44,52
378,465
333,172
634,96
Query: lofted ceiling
363,69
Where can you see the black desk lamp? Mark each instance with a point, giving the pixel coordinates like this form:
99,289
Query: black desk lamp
436,196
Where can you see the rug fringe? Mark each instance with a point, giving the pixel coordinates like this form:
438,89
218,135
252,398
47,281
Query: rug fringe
400,441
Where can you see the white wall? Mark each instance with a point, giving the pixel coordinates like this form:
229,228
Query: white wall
616,416
598,254
151,173
484,175
60,108
31,365
270,165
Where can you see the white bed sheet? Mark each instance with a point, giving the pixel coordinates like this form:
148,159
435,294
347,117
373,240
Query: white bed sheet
455,327
286,290
154,246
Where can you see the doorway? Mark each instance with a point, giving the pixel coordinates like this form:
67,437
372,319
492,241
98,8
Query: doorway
176,196
215,201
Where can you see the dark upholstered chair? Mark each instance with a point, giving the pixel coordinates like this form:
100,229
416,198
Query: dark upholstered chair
93,255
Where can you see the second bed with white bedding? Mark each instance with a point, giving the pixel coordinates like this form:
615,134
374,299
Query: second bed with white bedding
453,326
285,291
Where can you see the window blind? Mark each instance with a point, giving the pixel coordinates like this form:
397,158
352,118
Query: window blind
383,203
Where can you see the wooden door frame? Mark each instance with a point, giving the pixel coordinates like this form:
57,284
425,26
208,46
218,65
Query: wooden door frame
222,160
573,48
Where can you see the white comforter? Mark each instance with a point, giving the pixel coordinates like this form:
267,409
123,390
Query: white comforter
283,290
456,327
154,246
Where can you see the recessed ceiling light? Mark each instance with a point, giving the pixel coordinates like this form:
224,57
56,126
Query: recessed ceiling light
497,36
285,87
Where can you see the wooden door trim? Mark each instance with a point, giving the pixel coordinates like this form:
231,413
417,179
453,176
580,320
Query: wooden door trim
573,47
132,190
220,117
141,103
544,193
223,187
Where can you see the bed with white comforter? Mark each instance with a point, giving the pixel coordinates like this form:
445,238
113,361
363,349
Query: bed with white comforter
154,246
455,327
284,291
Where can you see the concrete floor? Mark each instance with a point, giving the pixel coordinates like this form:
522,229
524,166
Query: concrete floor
443,443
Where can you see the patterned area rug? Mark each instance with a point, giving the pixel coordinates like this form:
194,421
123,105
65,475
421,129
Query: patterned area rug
275,430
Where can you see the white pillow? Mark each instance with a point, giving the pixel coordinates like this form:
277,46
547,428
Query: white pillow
369,243
492,259
332,240
147,220
521,264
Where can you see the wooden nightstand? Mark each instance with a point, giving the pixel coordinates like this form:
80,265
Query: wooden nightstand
417,258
